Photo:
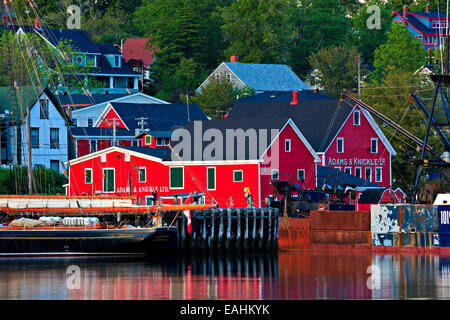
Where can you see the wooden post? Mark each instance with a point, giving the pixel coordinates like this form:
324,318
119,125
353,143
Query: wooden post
194,228
220,240
261,232
254,229
246,244
269,232
238,235
204,229
228,239
275,230
182,233
211,236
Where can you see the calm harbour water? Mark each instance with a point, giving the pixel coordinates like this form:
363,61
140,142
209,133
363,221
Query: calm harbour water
287,276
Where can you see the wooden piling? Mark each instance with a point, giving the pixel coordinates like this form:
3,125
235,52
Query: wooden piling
228,237
238,235
220,240
254,229
261,232
211,235
269,232
246,242
204,229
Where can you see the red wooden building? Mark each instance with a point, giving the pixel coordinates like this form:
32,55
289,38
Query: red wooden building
216,158
345,136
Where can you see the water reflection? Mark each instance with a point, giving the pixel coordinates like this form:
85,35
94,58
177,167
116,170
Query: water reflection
288,275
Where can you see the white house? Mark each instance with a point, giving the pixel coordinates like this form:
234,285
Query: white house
48,135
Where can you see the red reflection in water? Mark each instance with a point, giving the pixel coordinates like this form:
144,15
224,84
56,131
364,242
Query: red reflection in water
288,276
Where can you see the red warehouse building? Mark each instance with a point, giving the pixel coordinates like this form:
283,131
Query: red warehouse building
216,158
345,136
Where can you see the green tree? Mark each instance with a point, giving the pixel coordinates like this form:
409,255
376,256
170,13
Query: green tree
315,24
400,51
218,96
179,29
366,39
256,30
337,68
390,95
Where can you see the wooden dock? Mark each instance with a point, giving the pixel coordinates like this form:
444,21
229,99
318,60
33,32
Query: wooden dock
236,230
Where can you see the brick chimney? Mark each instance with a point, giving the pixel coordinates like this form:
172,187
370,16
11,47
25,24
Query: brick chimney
316,90
294,97
405,11
427,8
234,59
37,23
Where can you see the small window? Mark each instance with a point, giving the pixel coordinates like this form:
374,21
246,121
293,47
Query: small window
166,141
301,174
176,177
142,174
348,170
358,172
93,146
368,174
211,173
148,140
356,118
275,174
54,138
159,142
238,176
228,77
108,180
340,145
90,122
117,61
378,174
75,122
287,145
374,145
54,165
135,143
87,175
43,103
34,136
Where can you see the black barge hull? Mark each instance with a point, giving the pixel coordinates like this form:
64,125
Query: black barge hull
105,241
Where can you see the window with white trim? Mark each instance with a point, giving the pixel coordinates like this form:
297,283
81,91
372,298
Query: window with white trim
90,122
357,117
142,174
368,173
378,174
108,180
340,145
275,174
211,178
159,142
87,175
374,145
176,177
287,145
348,170
358,172
301,174
238,176
148,140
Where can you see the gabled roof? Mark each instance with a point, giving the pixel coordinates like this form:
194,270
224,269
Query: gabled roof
266,77
416,24
134,49
270,96
154,152
76,101
253,150
161,117
321,115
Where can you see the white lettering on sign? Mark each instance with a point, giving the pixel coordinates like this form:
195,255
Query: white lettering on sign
445,217
143,189
356,161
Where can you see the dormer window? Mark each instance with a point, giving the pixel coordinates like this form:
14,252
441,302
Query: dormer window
435,23
116,61
79,60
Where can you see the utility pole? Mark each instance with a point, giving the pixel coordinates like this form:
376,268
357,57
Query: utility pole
141,122
114,123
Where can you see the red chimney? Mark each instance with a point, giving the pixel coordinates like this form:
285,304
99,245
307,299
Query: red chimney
316,90
234,59
37,23
405,11
294,97
427,8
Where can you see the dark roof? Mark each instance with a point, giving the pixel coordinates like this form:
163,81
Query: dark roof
318,120
221,126
285,96
371,196
334,177
86,132
416,23
154,152
160,117
75,100
107,48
